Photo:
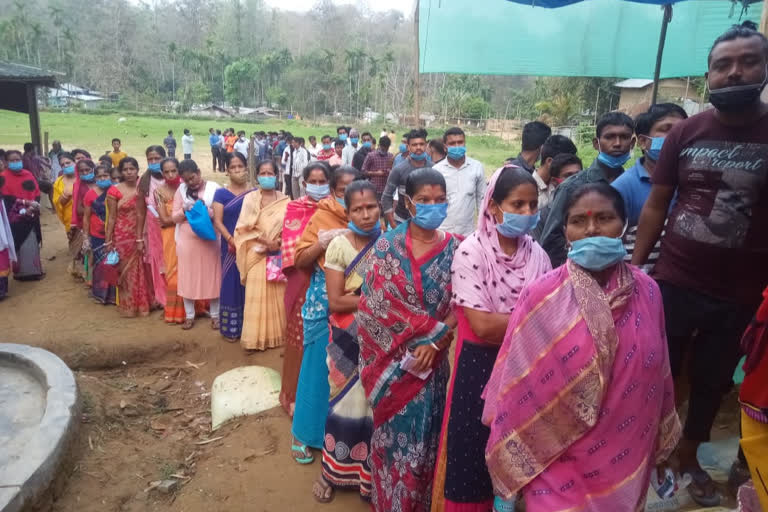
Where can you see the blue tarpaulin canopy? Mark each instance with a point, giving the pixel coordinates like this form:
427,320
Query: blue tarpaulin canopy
605,38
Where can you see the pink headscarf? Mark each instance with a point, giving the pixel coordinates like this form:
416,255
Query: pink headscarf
484,277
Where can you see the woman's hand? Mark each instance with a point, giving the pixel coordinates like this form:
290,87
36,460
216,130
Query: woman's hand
446,341
140,245
425,357
86,244
451,321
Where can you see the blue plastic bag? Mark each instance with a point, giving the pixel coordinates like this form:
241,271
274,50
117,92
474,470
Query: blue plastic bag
200,222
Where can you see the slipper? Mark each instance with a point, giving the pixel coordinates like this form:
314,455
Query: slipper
701,480
303,449
215,324
326,491
188,323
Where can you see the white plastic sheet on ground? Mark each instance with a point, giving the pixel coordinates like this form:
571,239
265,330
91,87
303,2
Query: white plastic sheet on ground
243,391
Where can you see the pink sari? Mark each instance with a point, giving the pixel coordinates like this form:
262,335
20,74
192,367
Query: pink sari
581,401
153,243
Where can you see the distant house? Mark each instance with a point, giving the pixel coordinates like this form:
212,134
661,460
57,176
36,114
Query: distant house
210,111
636,94
71,95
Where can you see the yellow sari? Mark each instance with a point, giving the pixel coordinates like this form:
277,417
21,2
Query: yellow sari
264,312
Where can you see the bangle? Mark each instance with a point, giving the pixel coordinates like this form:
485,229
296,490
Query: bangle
140,240
435,347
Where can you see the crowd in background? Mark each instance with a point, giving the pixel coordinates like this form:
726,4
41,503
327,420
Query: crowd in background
574,296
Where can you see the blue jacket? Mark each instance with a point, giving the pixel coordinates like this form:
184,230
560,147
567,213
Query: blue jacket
635,187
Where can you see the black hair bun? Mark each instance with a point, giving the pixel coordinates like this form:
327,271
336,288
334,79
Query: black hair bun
28,185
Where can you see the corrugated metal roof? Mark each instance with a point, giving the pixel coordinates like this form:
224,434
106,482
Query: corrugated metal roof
10,71
633,83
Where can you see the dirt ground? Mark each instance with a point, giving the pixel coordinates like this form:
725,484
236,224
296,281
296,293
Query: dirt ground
146,409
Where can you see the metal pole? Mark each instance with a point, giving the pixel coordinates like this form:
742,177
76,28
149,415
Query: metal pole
416,88
662,38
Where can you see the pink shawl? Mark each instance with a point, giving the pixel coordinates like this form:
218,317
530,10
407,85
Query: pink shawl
153,242
581,397
484,277
297,216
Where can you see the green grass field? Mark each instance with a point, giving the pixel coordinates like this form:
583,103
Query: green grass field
94,132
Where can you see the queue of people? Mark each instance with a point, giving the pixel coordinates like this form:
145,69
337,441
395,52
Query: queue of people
571,315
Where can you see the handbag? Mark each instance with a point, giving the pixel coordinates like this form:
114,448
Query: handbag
275,268
200,221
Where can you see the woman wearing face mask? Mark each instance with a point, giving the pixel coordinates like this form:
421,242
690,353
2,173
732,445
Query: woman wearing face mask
21,196
581,397
501,258
134,285
62,190
148,227
164,194
257,244
103,288
227,204
199,274
297,215
350,421
84,179
311,409
405,327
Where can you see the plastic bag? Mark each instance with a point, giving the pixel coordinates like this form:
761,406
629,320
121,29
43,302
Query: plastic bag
200,221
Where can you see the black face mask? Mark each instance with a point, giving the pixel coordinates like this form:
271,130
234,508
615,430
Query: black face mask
738,97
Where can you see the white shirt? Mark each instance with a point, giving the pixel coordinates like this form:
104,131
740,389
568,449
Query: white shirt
241,146
313,151
286,159
546,192
300,161
186,144
349,153
465,188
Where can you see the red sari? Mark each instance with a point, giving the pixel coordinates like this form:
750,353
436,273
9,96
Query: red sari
135,295
297,216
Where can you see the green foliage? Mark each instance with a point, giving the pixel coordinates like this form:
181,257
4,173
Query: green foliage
195,93
237,77
476,108
277,97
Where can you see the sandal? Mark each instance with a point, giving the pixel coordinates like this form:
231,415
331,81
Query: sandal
304,455
215,324
188,323
702,488
230,340
322,490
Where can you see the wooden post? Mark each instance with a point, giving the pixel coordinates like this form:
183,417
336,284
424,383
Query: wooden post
45,143
416,88
34,117
764,19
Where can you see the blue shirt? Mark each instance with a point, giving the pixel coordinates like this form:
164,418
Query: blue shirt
635,187
213,140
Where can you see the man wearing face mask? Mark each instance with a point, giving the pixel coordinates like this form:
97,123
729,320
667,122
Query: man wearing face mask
367,146
712,269
635,184
402,152
351,148
417,158
553,146
464,184
614,140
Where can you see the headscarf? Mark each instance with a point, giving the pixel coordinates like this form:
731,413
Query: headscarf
484,277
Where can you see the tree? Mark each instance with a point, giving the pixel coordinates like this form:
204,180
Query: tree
237,76
277,97
561,109
476,108
195,93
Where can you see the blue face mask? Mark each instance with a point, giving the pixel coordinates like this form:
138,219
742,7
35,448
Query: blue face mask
87,177
354,140
154,168
655,151
341,201
267,182
68,170
15,166
104,183
343,137
614,162
516,225
457,152
327,147
597,252
418,157
367,144
403,148
318,192
376,231
430,216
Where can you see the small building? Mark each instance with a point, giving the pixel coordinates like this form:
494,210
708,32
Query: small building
69,95
210,111
637,93
18,92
